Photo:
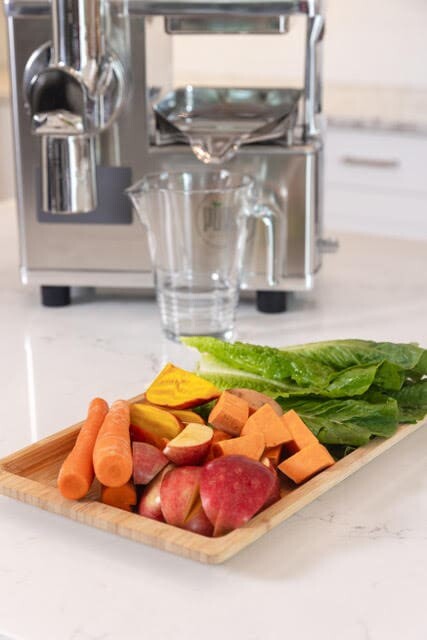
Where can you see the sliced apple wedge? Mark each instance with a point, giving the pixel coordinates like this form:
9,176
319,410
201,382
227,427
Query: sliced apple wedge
179,493
191,446
198,522
148,460
233,489
149,503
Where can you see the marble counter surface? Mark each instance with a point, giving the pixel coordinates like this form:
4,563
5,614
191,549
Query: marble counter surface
351,566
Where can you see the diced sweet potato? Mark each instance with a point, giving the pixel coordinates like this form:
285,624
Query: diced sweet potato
256,400
306,463
273,454
218,436
251,446
267,422
301,434
229,414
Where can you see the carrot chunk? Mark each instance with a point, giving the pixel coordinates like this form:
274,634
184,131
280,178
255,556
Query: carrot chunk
301,434
251,446
112,455
229,414
270,425
76,474
180,389
121,497
306,463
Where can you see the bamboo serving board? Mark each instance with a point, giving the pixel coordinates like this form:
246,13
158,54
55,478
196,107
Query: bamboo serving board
30,475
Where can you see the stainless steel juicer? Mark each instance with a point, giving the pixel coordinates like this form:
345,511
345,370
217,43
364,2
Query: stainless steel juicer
95,108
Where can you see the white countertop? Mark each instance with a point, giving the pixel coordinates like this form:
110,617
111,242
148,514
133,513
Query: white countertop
351,566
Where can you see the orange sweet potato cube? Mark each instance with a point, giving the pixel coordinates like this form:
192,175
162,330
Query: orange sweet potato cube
229,414
266,421
251,446
306,463
301,434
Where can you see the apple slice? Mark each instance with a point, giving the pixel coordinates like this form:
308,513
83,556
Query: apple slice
275,493
191,446
179,492
149,503
198,522
147,462
233,489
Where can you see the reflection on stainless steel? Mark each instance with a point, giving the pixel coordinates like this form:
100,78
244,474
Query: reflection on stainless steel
85,77
217,121
74,89
229,24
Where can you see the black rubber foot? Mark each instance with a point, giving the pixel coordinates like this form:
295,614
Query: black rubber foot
55,296
271,301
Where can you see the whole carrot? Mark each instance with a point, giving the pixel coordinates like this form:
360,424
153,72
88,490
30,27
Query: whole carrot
112,455
77,474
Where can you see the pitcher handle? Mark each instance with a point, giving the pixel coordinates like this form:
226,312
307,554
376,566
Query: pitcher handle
270,216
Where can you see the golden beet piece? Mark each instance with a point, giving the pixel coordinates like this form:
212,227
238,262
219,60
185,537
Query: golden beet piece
301,435
176,388
229,414
159,423
267,422
306,463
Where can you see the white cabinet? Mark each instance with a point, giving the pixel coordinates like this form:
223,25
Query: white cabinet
376,182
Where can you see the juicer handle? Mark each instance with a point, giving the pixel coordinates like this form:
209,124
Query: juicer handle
270,216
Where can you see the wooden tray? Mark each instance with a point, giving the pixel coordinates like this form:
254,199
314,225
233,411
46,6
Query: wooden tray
30,475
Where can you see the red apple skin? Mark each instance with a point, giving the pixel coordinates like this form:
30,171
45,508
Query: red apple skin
149,503
198,522
232,490
148,461
275,494
193,451
178,494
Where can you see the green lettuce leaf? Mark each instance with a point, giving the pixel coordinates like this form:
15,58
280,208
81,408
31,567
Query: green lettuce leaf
267,362
412,401
341,354
345,421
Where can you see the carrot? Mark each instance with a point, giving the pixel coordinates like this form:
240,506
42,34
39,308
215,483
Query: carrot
251,446
301,434
229,414
306,463
112,455
76,474
121,497
267,422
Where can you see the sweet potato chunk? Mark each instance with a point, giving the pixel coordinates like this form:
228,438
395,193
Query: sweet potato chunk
256,400
229,414
267,422
306,463
301,434
251,446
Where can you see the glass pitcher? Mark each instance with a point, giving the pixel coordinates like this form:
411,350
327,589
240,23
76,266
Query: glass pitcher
197,223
